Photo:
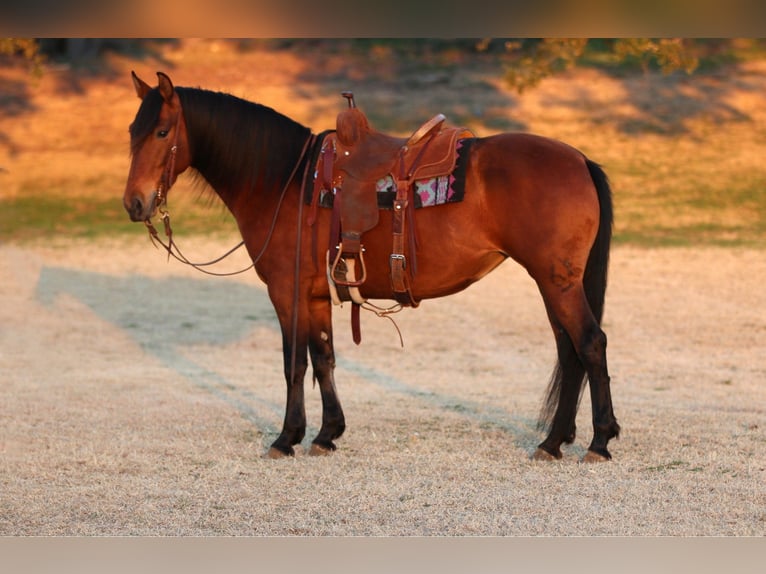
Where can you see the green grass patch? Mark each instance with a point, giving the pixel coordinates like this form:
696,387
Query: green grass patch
734,217
688,202
35,216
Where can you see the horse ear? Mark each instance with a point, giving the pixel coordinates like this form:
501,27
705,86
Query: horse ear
166,87
142,88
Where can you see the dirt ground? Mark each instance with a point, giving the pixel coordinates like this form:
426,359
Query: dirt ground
138,396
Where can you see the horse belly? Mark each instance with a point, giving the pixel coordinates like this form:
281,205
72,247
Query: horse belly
448,259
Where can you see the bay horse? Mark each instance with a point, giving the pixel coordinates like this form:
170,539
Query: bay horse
533,199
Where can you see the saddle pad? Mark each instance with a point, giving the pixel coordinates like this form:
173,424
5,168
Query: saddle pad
428,192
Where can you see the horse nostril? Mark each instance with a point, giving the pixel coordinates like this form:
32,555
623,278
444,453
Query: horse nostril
135,209
139,207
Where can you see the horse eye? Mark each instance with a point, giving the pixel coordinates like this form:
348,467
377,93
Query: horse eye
162,133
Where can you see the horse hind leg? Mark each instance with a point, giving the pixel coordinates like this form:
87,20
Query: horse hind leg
581,345
564,391
605,425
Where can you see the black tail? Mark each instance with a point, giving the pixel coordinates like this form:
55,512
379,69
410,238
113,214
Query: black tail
594,282
598,260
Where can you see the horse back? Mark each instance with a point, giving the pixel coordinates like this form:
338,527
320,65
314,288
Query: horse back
526,196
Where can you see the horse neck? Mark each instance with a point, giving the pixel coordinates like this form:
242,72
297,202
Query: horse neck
244,151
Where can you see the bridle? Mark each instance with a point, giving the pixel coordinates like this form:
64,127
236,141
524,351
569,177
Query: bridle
161,201
170,166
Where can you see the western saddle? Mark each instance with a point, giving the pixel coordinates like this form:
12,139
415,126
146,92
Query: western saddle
352,160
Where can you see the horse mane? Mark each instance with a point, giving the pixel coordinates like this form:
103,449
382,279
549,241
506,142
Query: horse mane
234,144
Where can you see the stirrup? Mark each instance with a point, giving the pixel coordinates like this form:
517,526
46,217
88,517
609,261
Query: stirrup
346,276
348,269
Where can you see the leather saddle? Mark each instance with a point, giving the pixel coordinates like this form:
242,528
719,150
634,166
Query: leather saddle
351,162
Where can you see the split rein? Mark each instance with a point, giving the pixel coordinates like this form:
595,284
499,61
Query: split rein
172,247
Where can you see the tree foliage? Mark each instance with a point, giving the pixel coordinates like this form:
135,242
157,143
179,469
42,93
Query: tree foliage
26,48
529,61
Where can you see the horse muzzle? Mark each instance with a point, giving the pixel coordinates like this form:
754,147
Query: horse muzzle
141,209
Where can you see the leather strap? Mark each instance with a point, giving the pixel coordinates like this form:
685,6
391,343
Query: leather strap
356,330
335,225
400,273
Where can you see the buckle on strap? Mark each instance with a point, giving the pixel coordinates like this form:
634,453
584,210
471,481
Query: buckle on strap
399,260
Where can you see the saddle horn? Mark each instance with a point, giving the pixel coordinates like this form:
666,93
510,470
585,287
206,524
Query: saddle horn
349,95
351,124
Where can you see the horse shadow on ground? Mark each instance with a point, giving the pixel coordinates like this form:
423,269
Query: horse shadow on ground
163,315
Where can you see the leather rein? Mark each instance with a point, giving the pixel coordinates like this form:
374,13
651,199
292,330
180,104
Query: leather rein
161,201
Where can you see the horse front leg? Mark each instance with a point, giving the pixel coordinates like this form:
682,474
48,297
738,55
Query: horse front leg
294,351
323,360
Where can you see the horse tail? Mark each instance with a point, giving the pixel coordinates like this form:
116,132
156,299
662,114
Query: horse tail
596,269
568,366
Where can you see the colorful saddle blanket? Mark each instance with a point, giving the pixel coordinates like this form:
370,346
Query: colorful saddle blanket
428,192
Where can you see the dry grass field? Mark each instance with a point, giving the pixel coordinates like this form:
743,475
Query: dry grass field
138,396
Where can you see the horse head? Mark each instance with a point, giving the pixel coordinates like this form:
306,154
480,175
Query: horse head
159,148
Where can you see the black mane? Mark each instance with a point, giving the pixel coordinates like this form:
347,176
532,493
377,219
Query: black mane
235,144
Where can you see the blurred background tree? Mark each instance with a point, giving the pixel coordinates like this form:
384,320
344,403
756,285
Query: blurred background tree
526,61
25,48
529,61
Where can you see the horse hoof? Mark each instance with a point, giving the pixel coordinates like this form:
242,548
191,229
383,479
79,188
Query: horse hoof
544,455
274,453
319,450
591,456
